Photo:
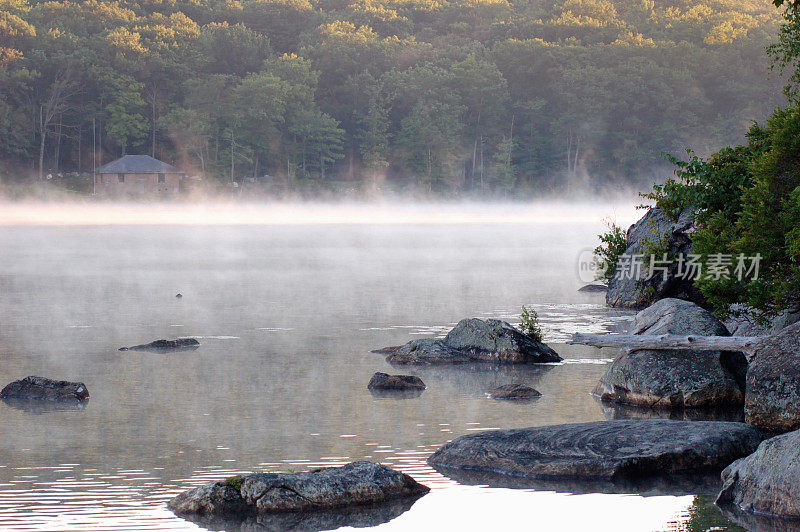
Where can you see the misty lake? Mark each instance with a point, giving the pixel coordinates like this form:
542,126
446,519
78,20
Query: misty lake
287,314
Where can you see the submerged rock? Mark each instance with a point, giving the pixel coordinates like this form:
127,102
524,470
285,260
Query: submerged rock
654,231
474,340
772,399
767,481
357,483
514,392
165,345
602,450
675,378
42,389
384,381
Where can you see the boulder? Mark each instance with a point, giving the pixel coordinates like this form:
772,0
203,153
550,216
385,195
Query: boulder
356,483
659,231
474,340
772,398
767,481
675,378
744,321
42,389
384,381
165,345
514,392
602,450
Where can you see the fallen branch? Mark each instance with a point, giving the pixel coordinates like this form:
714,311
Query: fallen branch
746,344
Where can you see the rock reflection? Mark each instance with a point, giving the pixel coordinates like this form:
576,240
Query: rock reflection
672,485
395,394
613,411
33,406
479,379
760,523
353,516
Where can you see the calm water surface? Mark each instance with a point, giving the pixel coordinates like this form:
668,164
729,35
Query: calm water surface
287,316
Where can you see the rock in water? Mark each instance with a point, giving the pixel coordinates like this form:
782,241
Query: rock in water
772,399
356,483
767,481
514,392
602,450
675,378
165,345
384,381
594,288
654,230
474,340
42,389
744,321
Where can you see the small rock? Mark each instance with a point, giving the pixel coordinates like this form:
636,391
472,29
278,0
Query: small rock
514,392
178,296
356,483
384,381
772,397
594,288
165,345
603,449
42,389
675,378
767,481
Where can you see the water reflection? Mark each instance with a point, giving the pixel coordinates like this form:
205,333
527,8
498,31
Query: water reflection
622,411
33,406
355,517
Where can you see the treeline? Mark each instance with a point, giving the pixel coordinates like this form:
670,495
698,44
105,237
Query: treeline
444,96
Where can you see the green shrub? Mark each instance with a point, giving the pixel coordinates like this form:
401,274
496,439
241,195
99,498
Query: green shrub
529,324
235,481
613,243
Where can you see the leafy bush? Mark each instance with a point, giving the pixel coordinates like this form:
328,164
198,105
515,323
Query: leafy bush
529,323
235,481
613,243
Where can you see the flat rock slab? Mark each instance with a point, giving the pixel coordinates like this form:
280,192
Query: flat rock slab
767,481
384,381
514,392
474,340
357,483
43,389
165,345
602,450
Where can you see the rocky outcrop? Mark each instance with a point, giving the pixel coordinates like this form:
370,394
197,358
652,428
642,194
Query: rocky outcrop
357,483
767,481
675,378
42,389
165,345
744,321
384,381
772,400
474,340
514,392
604,450
655,231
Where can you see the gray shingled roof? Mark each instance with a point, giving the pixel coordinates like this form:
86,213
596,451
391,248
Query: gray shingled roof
138,164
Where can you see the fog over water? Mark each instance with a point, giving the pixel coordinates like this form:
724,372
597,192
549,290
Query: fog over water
287,301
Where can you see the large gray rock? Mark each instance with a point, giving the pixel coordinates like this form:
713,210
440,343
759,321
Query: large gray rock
654,230
675,378
474,340
745,321
767,481
165,345
602,450
384,381
514,392
772,400
356,483
42,389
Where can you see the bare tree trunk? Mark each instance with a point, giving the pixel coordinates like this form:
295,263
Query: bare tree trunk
232,145
577,149
42,136
57,157
569,153
747,344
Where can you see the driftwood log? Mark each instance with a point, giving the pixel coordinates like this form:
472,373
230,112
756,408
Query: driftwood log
633,342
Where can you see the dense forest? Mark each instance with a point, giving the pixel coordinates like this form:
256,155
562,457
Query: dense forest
450,97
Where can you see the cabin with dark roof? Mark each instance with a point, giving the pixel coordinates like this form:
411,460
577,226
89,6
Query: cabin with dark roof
137,175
